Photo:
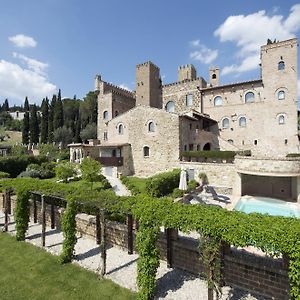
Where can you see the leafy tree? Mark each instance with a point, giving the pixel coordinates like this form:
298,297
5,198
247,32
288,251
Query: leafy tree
77,138
33,125
89,132
25,128
5,118
50,119
65,170
44,121
63,135
58,116
71,111
90,170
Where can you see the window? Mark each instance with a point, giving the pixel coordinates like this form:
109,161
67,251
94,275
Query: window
214,76
105,115
191,147
281,65
146,151
281,120
185,147
285,141
116,113
249,97
255,142
151,127
191,126
170,106
198,147
225,123
105,136
242,122
230,141
120,129
218,101
281,95
189,100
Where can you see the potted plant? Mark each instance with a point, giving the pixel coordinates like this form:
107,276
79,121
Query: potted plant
202,179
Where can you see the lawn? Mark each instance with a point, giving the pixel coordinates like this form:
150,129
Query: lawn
28,272
13,138
135,184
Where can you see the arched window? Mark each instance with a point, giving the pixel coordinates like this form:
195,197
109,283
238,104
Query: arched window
189,100
151,127
281,65
281,119
225,123
146,150
249,97
230,141
242,122
116,113
218,101
198,147
207,147
120,129
170,106
214,76
105,115
281,95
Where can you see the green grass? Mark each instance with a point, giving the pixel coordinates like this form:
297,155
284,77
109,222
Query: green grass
14,137
135,184
28,272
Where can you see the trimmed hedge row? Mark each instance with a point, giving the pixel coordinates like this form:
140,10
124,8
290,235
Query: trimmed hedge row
293,155
14,165
216,154
163,184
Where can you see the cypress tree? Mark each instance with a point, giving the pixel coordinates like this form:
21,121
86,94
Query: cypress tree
77,138
5,106
50,119
25,128
44,121
58,117
34,125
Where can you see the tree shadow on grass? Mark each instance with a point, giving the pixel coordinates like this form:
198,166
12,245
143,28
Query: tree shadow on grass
172,281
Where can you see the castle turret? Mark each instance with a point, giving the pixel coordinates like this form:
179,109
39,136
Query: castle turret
148,85
187,72
97,82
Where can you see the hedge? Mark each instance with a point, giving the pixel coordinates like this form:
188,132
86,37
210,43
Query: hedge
14,165
216,154
293,155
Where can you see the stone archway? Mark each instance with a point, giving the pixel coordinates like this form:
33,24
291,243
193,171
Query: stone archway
207,147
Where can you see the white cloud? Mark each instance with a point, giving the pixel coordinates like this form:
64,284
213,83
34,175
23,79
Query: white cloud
16,83
124,86
203,54
23,41
33,64
251,31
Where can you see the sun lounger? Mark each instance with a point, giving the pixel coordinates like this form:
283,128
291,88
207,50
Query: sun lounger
210,189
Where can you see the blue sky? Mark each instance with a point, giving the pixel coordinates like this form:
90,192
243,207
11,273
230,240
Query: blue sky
51,44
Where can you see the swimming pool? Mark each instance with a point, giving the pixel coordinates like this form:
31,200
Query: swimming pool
264,205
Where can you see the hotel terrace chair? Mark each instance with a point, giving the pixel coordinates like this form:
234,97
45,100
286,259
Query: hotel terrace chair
210,189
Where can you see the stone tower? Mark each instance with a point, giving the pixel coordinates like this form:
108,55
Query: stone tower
214,76
148,85
187,72
97,82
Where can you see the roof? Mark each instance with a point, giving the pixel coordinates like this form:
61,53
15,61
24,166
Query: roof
81,145
112,145
231,85
195,115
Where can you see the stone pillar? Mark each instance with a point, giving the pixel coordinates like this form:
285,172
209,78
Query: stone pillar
237,186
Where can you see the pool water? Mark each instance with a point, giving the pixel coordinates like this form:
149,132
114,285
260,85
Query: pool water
264,205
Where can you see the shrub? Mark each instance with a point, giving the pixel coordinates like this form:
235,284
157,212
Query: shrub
163,184
65,170
90,170
14,165
293,155
4,175
192,185
203,178
29,173
177,193
43,171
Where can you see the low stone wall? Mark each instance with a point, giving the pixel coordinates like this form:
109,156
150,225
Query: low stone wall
262,275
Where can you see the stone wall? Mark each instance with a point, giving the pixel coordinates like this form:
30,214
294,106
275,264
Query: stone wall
263,275
218,174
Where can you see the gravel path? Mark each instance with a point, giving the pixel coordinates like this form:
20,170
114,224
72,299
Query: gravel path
172,284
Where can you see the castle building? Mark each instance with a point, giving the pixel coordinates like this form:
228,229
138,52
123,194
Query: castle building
145,131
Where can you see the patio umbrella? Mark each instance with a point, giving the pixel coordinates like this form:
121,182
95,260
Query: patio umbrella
182,182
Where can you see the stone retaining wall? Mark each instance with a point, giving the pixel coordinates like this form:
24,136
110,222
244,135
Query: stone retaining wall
262,275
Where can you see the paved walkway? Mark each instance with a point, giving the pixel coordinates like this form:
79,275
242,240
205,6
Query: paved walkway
172,284
118,187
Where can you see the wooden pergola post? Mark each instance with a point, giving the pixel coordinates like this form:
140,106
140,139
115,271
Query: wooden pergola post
130,233
43,235
98,227
103,243
5,199
168,232
52,215
34,209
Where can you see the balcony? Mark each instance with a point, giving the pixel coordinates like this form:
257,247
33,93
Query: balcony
110,161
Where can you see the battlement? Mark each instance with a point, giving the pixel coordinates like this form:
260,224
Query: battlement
147,63
117,90
277,44
186,66
200,79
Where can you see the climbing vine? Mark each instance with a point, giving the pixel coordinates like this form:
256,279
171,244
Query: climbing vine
22,213
69,232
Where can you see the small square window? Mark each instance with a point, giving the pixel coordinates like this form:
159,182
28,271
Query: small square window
255,142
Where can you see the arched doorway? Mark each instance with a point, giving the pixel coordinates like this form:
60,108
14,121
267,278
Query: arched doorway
207,147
